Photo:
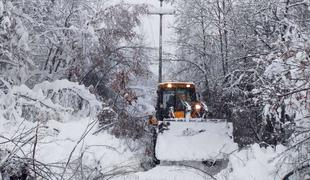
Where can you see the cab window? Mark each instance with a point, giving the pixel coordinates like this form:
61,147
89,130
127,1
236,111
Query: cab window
174,98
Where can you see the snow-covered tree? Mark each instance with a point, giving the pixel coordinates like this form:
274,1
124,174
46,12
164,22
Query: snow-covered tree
15,59
47,40
287,105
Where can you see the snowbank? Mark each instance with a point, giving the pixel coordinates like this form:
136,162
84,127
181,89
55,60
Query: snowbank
255,163
64,115
102,151
166,173
195,141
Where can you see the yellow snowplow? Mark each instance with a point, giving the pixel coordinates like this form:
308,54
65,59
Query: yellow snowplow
190,136
177,101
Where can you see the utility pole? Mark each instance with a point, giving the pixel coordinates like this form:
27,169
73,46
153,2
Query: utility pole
161,12
160,68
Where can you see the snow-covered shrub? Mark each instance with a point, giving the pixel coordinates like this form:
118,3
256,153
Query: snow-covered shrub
72,96
14,44
290,87
270,101
60,100
268,163
4,86
128,126
107,117
216,102
14,167
243,106
255,162
271,104
288,105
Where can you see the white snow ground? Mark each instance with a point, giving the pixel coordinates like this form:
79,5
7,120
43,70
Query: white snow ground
252,163
195,141
166,173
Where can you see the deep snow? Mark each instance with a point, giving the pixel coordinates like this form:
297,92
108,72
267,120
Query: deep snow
251,163
196,141
167,173
64,114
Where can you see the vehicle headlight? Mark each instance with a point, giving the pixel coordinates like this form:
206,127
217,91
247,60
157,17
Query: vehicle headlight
197,107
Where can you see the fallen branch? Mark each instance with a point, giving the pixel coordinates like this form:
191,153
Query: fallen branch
293,92
286,177
86,132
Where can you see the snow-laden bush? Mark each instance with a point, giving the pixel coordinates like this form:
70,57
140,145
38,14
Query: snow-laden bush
288,105
268,163
289,74
271,103
244,106
60,100
255,162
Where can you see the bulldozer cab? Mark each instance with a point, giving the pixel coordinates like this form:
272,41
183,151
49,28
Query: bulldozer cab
175,99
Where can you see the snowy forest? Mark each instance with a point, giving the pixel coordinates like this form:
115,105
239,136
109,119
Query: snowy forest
77,88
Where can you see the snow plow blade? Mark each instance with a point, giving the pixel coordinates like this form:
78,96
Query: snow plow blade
195,140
